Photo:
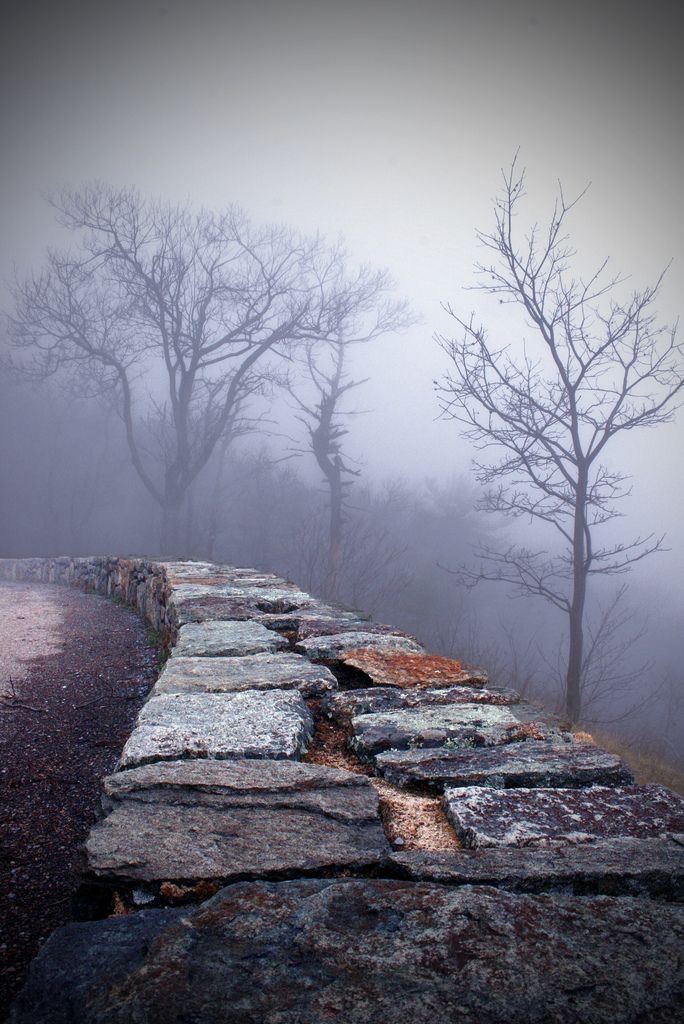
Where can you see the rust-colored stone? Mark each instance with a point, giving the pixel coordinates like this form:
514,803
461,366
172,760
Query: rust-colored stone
397,668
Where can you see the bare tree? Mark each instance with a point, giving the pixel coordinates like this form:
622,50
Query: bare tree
600,366
323,419
180,316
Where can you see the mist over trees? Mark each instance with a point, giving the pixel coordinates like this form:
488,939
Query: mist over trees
179,317
157,360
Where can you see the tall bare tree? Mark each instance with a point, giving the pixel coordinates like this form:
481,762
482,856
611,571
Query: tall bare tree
323,419
180,316
546,416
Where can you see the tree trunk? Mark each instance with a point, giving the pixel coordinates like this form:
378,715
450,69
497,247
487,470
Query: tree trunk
332,576
216,493
189,542
573,684
169,544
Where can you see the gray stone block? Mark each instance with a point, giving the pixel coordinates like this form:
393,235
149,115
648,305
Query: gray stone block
221,820
458,726
282,671
216,639
318,626
333,647
613,867
344,705
532,763
251,723
541,817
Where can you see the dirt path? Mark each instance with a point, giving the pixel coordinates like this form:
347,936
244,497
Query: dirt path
74,670
31,617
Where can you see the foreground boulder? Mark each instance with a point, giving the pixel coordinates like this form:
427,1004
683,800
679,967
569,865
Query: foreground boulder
366,952
192,820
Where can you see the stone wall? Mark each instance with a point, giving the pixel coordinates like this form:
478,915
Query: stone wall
137,582
262,854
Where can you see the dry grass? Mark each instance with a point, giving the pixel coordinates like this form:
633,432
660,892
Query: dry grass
329,745
646,766
418,821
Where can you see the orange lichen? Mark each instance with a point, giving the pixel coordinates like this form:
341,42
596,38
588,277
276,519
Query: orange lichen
397,668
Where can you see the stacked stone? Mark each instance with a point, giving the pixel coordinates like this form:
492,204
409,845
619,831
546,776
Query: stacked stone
211,787
138,582
313,916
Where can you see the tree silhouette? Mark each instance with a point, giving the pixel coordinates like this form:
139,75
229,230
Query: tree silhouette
545,415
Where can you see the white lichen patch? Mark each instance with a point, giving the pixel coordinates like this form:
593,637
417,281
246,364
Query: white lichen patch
254,724
216,639
485,817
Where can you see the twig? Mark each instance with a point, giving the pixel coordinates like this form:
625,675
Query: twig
86,703
26,707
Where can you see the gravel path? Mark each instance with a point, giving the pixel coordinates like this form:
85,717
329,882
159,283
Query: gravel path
31,616
74,671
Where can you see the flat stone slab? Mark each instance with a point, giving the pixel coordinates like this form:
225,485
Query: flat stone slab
217,639
529,764
367,951
315,612
191,820
209,608
208,604
282,671
407,670
342,706
457,725
326,626
334,647
537,817
267,724
614,867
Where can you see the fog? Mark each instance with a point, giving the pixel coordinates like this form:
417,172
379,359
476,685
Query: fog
387,124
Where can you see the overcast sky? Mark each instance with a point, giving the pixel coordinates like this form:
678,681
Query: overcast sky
386,122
